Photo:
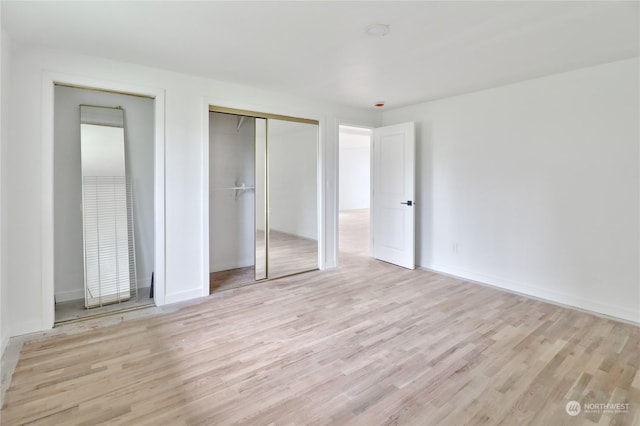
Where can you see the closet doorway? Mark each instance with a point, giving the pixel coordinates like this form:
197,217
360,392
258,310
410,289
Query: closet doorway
263,197
103,202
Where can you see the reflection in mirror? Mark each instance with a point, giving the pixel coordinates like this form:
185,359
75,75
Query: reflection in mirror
109,259
260,199
102,150
292,151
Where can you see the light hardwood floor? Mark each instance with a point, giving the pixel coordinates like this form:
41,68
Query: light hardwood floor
368,344
288,254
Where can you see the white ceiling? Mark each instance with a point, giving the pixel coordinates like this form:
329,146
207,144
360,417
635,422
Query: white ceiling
320,50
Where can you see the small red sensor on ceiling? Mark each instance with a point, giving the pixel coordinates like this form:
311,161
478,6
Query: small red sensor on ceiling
379,104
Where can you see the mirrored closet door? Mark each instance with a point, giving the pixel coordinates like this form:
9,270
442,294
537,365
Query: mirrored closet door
292,197
262,198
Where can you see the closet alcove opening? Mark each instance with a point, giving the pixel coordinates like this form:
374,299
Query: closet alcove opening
263,197
75,277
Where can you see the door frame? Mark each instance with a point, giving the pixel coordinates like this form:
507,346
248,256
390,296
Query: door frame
49,80
337,174
221,105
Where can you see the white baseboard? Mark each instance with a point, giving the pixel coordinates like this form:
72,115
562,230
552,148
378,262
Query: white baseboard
556,298
293,233
26,328
183,295
4,341
8,361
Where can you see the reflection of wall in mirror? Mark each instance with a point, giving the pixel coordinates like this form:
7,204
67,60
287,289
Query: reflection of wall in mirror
293,161
102,150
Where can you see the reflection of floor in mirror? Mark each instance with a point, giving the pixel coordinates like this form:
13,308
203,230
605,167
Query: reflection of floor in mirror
74,309
288,254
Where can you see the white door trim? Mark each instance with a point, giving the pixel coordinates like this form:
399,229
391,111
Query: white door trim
49,79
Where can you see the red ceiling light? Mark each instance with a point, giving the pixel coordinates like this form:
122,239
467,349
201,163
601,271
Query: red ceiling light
379,104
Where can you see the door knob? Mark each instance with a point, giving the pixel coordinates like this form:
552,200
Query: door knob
408,203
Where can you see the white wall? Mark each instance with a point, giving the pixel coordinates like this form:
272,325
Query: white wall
355,168
4,103
186,136
534,187
231,212
139,139
292,151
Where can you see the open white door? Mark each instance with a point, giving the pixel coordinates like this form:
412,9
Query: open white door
392,195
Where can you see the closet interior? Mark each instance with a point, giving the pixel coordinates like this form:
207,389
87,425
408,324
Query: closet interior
103,202
262,197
